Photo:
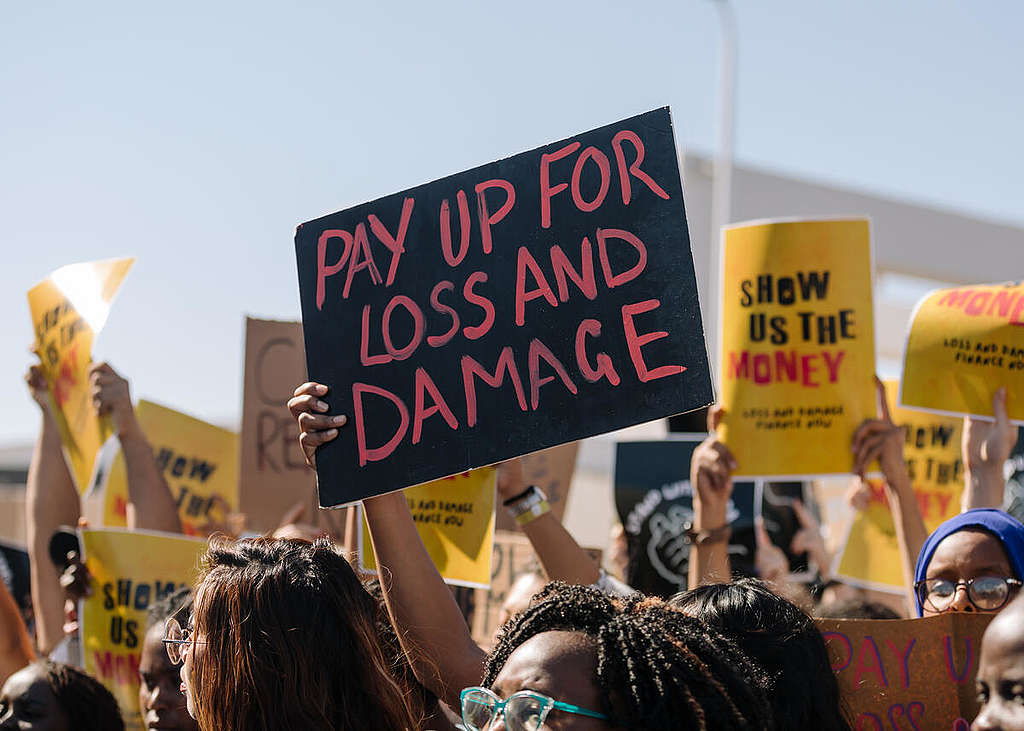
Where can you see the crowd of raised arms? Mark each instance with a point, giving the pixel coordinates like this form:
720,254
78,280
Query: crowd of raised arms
283,632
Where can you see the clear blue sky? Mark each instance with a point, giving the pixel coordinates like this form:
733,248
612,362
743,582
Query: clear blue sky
195,136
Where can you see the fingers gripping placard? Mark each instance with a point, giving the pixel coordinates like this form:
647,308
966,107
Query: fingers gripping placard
540,299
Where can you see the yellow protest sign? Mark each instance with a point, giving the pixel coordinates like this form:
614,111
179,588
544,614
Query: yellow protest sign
198,460
455,519
69,308
797,344
963,344
870,556
130,572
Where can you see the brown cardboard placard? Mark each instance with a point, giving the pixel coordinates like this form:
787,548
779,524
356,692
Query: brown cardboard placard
273,476
907,673
551,470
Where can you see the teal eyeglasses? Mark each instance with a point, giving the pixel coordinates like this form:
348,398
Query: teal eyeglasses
523,711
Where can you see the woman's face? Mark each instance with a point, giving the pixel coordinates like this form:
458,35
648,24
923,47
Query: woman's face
160,696
962,556
27,702
561,666
192,653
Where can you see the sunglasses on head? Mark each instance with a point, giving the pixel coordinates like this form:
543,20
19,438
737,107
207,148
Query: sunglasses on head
522,711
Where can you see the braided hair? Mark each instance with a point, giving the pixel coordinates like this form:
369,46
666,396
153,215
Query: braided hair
656,667
88,704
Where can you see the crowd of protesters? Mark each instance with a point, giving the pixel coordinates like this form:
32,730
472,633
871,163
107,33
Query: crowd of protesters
283,632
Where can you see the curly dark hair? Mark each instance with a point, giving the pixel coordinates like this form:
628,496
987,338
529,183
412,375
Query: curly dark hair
656,667
89,705
784,640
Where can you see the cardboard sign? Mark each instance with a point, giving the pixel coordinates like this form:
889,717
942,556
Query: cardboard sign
69,308
130,572
870,556
907,673
513,555
551,471
963,344
798,344
537,300
654,500
455,519
198,460
273,475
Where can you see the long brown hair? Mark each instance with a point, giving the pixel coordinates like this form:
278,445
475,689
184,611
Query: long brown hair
290,643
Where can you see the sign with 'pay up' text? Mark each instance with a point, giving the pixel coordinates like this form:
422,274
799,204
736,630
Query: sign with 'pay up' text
527,303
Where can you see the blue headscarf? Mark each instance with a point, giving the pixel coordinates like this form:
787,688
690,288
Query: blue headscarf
1003,526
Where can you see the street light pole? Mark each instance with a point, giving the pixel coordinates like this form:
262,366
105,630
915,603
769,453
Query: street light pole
721,186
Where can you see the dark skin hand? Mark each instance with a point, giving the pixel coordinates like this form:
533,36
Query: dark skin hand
560,665
1000,679
160,696
27,703
966,555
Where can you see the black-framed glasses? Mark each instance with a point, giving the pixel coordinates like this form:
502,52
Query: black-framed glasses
177,639
986,593
522,711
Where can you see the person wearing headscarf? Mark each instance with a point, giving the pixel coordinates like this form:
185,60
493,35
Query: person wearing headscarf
971,563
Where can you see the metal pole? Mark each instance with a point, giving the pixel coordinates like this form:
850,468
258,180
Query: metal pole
721,188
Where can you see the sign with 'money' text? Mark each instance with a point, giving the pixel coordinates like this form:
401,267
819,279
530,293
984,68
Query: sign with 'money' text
798,344
526,303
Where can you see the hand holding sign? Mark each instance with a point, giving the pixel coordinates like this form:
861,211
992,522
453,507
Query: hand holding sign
880,439
111,396
711,469
36,381
314,428
510,479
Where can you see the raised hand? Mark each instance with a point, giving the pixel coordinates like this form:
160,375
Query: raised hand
36,382
770,561
711,468
510,479
316,426
111,396
987,444
808,539
880,439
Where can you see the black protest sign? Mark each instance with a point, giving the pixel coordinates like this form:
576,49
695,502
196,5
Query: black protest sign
527,303
654,500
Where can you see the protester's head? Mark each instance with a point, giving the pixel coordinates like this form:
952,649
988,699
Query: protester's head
783,640
855,609
523,588
49,696
285,636
971,563
160,698
636,662
1000,678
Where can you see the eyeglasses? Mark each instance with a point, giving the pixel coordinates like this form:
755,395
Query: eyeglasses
523,711
176,640
987,593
